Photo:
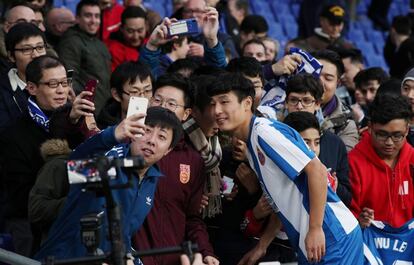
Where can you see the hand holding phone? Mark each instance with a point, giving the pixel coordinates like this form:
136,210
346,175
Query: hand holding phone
183,27
91,86
137,105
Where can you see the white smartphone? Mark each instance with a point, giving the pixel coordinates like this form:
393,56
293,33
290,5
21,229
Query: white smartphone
137,105
229,184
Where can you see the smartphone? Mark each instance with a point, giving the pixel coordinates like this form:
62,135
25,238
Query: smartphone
91,86
184,27
137,105
229,184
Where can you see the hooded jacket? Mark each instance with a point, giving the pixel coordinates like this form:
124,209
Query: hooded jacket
64,239
389,192
48,195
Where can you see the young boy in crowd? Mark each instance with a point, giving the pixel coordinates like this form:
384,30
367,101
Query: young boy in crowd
318,224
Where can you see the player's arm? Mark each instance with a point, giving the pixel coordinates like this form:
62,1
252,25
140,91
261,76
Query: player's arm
317,182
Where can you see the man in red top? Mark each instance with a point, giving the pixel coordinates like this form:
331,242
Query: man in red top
111,18
382,165
175,216
124,44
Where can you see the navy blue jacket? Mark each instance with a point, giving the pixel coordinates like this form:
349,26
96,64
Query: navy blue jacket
64,240
333,155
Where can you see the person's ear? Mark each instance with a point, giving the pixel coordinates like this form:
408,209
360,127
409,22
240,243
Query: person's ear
247,103
187,113
317,105
115,95
31,88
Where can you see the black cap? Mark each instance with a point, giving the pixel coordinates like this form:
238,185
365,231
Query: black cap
334,13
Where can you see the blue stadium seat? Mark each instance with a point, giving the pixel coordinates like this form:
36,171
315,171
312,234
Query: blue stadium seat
276,31
367,48
295,10
379,47
356,35
291,30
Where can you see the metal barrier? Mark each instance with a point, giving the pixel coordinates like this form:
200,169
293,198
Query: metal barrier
9,257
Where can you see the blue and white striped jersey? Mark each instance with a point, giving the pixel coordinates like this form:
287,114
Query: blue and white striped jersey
386,245
278,155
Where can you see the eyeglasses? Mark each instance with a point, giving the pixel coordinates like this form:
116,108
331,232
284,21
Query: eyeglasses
384,136
306,102
53,83
139,93
29,50
170,104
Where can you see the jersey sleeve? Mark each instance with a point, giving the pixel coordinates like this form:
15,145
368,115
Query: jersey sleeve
285,147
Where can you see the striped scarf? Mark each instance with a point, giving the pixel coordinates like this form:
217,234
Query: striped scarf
37,115
210,151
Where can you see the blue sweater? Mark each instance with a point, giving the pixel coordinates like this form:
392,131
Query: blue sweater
64,239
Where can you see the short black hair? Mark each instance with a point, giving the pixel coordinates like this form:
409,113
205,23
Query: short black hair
83,3
391,86
370,74
132,12
254,41
179,82
387,107
168,47
402,24
333,58
34,70
303,83
352,53
179,65
130,70
254,23
165,118
20,32
235,82
301,121
201,85
247,66
208,69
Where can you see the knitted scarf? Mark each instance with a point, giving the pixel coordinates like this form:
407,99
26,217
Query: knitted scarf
37,115
210,151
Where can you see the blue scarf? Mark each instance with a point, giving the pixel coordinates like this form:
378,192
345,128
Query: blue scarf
37,115
309,65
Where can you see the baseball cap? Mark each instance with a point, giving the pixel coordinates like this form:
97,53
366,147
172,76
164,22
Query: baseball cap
334,13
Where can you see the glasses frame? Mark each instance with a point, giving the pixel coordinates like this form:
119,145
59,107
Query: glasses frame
68,81
301,102
31,49
162,101
389,135
139,94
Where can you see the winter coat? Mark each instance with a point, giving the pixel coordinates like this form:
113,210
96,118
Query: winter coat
90,59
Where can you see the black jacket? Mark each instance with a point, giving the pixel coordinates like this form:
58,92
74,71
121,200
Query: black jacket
13,105
333,155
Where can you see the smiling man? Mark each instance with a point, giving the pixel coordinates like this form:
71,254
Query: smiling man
319,226
178,195
161,132
381,165
82,51
48,87
125,43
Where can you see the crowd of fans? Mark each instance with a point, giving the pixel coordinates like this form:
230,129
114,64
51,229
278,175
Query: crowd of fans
252,158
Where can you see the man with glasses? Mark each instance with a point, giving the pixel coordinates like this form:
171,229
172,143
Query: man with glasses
178,195
48,86
129,79
24,42
304,93
381,165
13,16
